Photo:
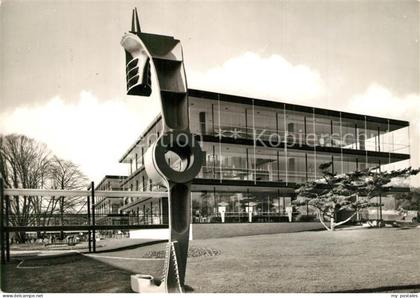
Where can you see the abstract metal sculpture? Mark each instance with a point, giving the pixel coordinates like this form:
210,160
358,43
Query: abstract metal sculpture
155,64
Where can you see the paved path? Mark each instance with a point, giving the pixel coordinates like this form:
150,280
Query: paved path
106,245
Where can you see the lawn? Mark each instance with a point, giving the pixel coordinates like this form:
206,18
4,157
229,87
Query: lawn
368,260
362,260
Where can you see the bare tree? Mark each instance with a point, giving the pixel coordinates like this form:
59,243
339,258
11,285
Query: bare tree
65,174
26,163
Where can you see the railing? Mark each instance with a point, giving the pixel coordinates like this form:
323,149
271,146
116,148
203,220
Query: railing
131,219
43,221
336,139
232,217
33,220
81,193
216,172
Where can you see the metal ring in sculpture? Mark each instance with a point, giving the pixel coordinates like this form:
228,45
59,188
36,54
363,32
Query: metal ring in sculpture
185,147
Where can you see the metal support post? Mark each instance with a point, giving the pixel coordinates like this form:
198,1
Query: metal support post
92,189
88,222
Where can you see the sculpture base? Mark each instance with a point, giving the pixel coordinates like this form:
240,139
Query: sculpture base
170,283
142,283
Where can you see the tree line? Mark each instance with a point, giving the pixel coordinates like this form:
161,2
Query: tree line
27,163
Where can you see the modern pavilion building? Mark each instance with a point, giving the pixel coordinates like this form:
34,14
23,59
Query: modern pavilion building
257,152
107,208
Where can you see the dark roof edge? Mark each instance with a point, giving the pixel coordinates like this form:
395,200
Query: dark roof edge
145,131
289,106
110,177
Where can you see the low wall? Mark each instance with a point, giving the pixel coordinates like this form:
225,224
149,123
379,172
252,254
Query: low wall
158,234
222,230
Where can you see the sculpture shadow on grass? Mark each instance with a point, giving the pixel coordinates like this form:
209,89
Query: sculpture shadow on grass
394,288
70,273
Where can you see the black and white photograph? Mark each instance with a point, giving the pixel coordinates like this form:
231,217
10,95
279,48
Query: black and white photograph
210,147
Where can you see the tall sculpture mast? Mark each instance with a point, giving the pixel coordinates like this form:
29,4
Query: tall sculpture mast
154,63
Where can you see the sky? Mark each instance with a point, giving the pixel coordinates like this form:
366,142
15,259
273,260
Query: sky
63,74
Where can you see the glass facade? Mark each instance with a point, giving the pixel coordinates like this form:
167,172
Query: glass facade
256,144
248,121
228,207
149,211
245,162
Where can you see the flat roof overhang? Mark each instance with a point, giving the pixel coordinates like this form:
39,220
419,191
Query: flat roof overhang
280,188
201,184
110,178
124,159
292,107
